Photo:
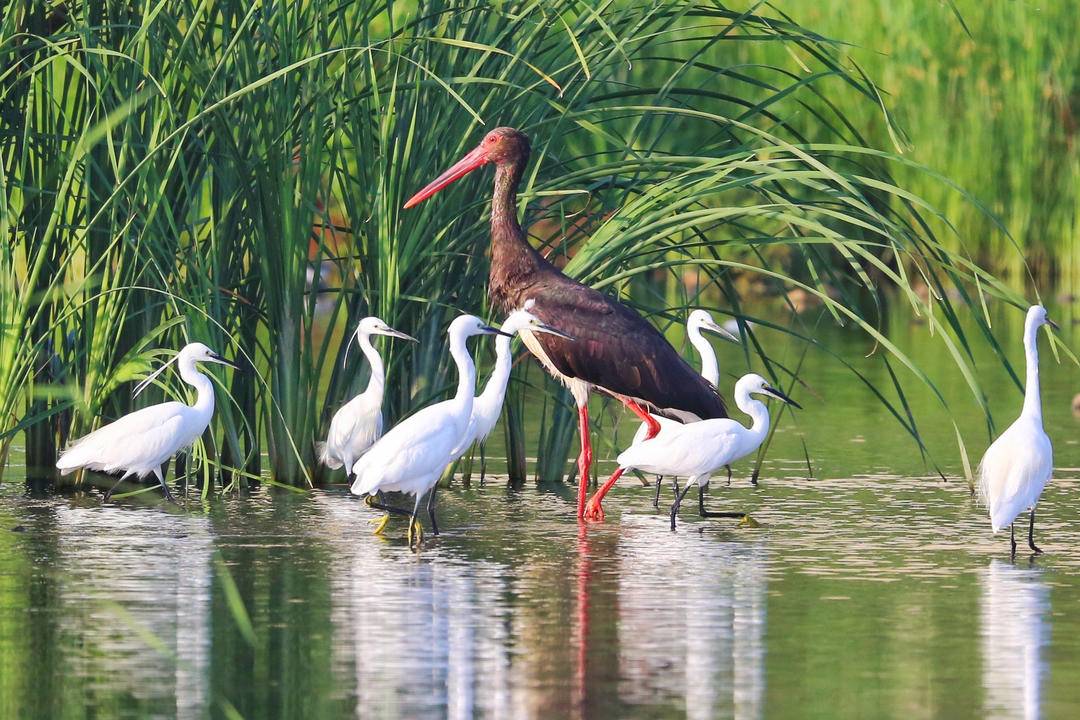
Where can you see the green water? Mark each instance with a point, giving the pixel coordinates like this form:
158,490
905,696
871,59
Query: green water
871,589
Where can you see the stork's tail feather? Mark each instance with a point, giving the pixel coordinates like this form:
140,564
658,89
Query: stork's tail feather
326,457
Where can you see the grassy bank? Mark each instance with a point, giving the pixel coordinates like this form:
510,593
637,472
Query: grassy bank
186,171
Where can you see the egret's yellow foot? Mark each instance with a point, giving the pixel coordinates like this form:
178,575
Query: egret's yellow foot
748,522
380,523
416,530
369,500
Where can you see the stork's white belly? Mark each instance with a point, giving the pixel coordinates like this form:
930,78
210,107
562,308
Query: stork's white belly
578,388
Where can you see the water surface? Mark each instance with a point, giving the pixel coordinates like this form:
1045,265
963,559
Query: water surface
877,596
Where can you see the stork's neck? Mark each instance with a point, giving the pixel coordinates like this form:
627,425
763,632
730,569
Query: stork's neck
757,411
204,403
378,373
463,399
709,369
512,258
1032,401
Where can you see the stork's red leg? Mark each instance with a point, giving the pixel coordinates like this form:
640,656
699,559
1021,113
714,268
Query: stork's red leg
584,459
593,509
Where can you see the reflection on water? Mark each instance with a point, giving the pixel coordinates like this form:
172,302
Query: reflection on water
1015,632
692,620
836,607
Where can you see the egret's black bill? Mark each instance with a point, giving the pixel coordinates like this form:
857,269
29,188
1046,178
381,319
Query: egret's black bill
401,335
495,331
1053,324
217,358
781,396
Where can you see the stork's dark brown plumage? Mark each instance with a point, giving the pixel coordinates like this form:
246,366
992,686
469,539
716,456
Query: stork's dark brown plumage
614,349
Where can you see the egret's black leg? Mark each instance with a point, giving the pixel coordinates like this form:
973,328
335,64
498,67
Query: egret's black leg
675,484
656,495
710,513
416,528
1031,534
431,510
678,501
483,468
1012,540
387,508
110,491
164,487
728,475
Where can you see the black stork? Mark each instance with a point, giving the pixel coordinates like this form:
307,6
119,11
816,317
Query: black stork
614,350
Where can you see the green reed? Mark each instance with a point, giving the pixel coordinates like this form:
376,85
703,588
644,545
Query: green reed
178,170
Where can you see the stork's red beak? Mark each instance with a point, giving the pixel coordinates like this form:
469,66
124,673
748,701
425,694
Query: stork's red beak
476,158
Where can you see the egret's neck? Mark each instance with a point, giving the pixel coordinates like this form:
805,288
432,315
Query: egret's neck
757,411
190,374
512,258
709,369
496,384
463,399
378,374
1032,401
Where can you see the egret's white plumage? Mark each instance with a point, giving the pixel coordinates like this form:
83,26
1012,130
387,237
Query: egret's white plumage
698,321
139,443
359,422
411,457
1017,466
697,450
488,405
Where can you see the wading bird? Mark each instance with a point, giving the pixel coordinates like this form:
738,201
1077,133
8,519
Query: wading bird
698,321
141,442
1017,466
614,351
412,456
359,422
697,450
488,405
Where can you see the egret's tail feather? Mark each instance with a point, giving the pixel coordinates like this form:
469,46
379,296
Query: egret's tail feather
326,457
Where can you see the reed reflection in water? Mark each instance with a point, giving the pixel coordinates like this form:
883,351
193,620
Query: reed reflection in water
134,597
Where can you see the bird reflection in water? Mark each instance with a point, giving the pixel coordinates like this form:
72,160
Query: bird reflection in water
691,621
1015,632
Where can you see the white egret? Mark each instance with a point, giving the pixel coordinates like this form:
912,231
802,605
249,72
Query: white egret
141,442
697,450
412,456
697,321
359,422
488,405
1017,466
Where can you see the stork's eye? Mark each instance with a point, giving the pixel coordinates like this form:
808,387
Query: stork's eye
489,139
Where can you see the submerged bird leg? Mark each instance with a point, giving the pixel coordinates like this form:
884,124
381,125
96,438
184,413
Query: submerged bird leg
416,530
593,509
483,465
110,491
164,487
712,513
656,495
380,524
678,501
372,502
584,459
431,510
1031,534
